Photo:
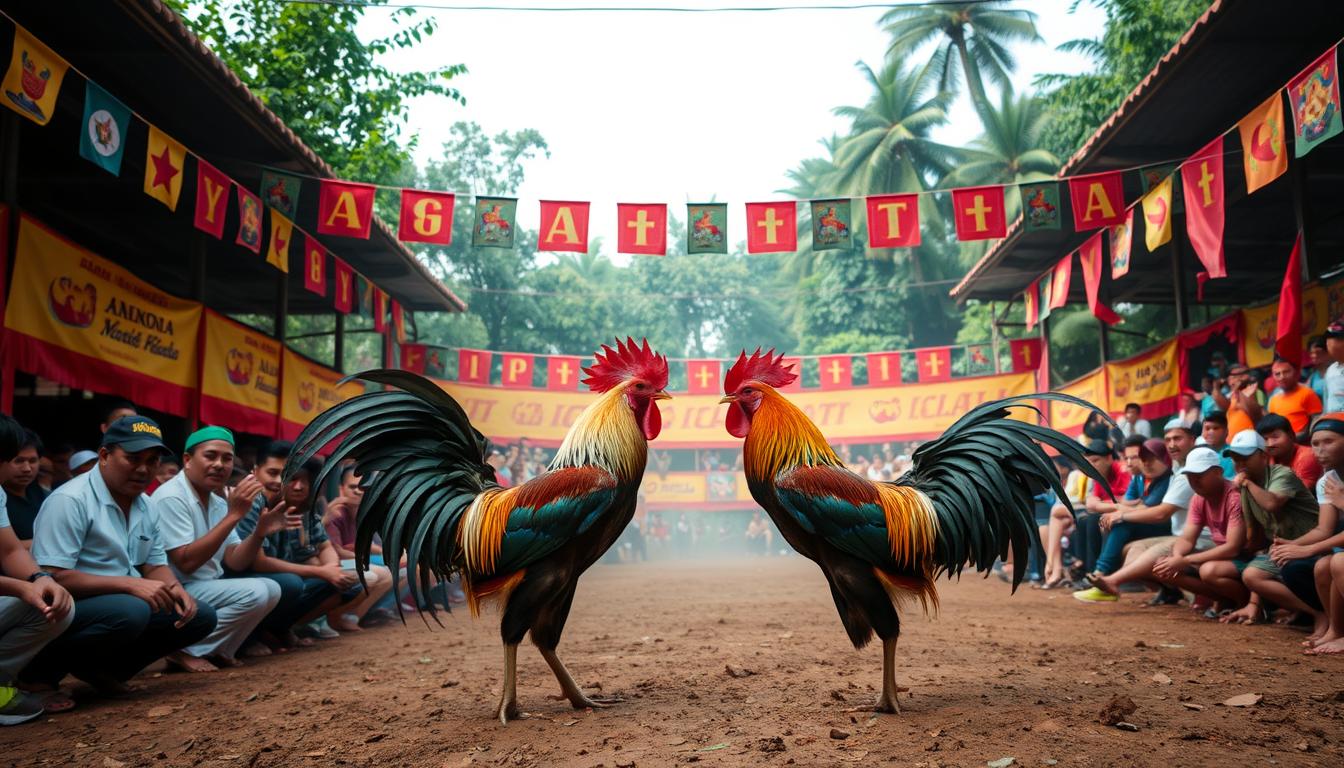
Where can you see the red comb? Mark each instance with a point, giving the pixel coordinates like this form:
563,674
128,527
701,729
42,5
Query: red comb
766,369
627,361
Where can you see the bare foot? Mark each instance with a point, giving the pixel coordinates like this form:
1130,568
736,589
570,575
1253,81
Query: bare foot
110,686
1329,648
257,650
340,623
188,663
221,661
1248,614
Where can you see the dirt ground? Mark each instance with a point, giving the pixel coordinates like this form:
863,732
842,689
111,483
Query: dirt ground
740,663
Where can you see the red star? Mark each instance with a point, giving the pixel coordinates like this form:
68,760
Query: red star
164,170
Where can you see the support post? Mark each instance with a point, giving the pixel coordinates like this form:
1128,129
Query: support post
9,193
198,255
994,334
338,356
1178,286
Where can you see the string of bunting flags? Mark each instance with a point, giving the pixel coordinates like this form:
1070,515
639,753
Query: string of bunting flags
518,370
1097,200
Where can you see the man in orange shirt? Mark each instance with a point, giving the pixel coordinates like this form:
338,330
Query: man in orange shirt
1293,401
1243,403
1282,446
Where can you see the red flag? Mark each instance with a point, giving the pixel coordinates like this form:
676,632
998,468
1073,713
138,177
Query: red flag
893,221
979,213
249,220
641,229
1026,354
1090,257
1060,277
345,208
517,371
1202,184
473,366
564,226
934,363
836,371
1031,301
345,287
1288,341
413,358
884,369
795,366
212,199
1098,200
426,217
314,266
379,310
398,322
562,373
702,377
772,227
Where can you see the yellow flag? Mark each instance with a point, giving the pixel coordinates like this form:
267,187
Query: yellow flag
1157,215
33,79
282,231
164,161
1264,153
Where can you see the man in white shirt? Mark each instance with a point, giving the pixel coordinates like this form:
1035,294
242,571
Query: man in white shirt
1132,424
1334,375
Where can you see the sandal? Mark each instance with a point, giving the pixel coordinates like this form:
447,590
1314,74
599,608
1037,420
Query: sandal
54,701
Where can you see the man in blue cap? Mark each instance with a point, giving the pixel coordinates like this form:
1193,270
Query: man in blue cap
98,538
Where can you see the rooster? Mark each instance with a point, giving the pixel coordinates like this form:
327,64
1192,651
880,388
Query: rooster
430,494
967,499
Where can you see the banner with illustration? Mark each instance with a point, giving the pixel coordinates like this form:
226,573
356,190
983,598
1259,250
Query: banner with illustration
869,414
240,376
1069,418
307,389
1261,324
91,324
1151,379
725,489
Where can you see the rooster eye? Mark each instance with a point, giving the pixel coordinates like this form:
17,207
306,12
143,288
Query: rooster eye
747,390
640,385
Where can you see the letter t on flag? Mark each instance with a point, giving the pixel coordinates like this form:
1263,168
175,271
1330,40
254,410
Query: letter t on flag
426,217
836,371
702,377
884,369
1288,339
893,221
641,229
1202,185
562,373
935,363
979,213
1026,354
772,227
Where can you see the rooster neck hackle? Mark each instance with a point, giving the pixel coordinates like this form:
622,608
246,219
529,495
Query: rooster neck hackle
783,437
606,435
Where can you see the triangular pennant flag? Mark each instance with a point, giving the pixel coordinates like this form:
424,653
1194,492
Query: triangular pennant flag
893,221
249,220
1098,200
1264,151
379,310
33,79
344,299
345,208
398,322
1313,98
106,122
979,213
1157,210
426,217
1031,301
1122,243
165,159
1026,354
1060,278
564,226
281,192
282,231
707,228
212,199
1202,184
641,229
772,227
1089,256
1288,336
314,265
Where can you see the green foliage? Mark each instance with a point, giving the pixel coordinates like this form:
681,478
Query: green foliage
1138,33
305,62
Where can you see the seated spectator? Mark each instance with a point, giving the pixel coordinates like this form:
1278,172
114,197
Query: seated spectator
1131,423
298,557
168,469
98,537
1292,400
1282,448
1244,401
23,495
341,526
1190,414
496,461
197,526
82,461
1278,507
1180,562
1086,538
1214,432
1327,442
1053,515
1334,373
34,609
114,410
1320,361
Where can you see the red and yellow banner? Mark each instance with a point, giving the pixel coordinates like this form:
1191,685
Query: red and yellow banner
1151,379
91,324
1260,325
307,389
696,490
866,414
240,376
1069,418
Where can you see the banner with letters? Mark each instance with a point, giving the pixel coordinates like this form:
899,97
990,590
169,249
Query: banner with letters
1069,418
307,389
240,376
1151,379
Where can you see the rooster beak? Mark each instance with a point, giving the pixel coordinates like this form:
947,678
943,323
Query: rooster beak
661,395
728,399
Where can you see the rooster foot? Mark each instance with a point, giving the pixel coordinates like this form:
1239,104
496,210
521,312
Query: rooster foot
508,710
579,700
885,703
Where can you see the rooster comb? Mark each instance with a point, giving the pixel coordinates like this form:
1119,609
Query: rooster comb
627,361
765,368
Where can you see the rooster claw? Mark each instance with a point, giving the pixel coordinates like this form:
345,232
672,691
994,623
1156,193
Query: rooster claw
591,702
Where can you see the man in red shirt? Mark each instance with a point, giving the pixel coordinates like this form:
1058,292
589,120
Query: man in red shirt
1282,446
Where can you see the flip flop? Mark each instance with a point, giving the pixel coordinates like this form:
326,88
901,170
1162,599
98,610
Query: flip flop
54,701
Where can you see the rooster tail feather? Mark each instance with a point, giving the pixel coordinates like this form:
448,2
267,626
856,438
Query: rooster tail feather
981,476
422,465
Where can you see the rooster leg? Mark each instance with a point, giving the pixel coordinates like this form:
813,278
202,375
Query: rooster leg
887,702
508,700
570,689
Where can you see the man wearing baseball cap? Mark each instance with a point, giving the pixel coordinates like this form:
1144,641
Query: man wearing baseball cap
98,538
1278,506
1327,443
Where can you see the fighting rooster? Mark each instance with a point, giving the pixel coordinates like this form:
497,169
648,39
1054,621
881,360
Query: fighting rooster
967,499
430,494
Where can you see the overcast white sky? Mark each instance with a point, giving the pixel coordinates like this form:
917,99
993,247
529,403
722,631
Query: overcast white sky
676,107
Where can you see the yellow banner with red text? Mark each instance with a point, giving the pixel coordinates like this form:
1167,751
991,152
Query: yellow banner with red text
307,390
1069,418
1151,379
240,376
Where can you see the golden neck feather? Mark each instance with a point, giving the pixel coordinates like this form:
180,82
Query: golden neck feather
606,435
783,437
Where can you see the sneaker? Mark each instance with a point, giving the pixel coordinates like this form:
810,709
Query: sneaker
1094,595
19,707
323,630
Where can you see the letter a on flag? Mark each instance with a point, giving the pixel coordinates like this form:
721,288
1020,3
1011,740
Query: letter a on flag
641,229
212,199
1157,215
164,161
33,78
426,217
772,227
345,209
979,213
564,226
1264,152
282,231
893,221
1098,200
1202,183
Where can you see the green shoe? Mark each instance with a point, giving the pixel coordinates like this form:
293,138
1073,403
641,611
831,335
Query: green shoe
1094,595
18,707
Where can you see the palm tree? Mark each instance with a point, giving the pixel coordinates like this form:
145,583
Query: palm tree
978,33
1009,151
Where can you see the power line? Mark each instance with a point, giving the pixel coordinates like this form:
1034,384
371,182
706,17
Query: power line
697,296
637,8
